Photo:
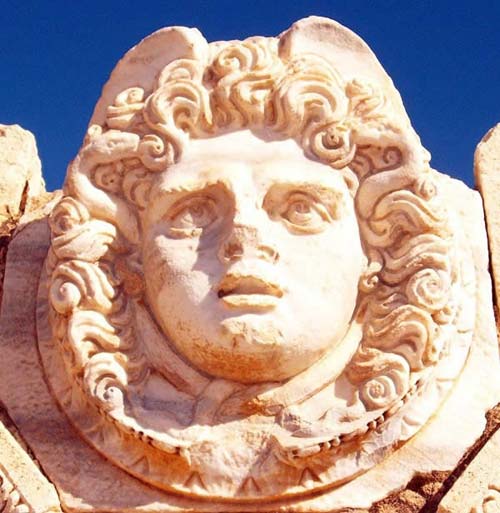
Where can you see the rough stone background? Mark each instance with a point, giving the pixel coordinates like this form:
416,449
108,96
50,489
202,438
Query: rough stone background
22,188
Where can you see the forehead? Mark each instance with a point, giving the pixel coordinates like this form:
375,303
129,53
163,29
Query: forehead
242,155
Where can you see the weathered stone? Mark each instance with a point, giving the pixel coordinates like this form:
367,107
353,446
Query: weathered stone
487,172
23,488
22,188
20,171
255,293
478,488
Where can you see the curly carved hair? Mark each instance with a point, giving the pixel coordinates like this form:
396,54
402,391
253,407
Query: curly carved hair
405,296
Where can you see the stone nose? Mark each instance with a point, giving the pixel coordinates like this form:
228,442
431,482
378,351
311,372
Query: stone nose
246,242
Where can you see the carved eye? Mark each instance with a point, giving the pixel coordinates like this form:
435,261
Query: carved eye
191,216
305,214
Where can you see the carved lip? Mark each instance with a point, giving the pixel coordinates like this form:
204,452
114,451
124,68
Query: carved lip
237,291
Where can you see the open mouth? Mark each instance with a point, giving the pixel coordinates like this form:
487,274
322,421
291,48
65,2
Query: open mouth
248,291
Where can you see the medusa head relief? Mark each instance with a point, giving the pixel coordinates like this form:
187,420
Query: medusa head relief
253,288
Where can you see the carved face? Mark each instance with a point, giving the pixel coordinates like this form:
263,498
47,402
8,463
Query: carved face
252,257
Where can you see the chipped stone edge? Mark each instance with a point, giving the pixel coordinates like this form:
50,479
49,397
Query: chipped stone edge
484,182
486,179
23,487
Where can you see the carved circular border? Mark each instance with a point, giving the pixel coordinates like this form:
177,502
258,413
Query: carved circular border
144,136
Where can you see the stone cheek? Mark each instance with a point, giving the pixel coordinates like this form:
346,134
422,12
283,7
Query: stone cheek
255,288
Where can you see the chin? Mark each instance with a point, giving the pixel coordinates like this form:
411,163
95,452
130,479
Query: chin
254,349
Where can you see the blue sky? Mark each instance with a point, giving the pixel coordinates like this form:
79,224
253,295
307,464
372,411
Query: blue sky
444,57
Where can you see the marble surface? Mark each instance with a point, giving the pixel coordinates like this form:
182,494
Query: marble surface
254,292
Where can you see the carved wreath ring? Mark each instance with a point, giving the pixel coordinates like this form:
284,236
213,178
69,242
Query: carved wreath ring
96,334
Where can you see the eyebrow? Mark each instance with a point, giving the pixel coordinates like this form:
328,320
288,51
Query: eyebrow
199,185
192,186
308,184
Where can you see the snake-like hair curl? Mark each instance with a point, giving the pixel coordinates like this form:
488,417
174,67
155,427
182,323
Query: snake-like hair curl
406,296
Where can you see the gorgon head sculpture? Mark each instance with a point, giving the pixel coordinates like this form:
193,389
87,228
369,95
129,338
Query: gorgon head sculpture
252,280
